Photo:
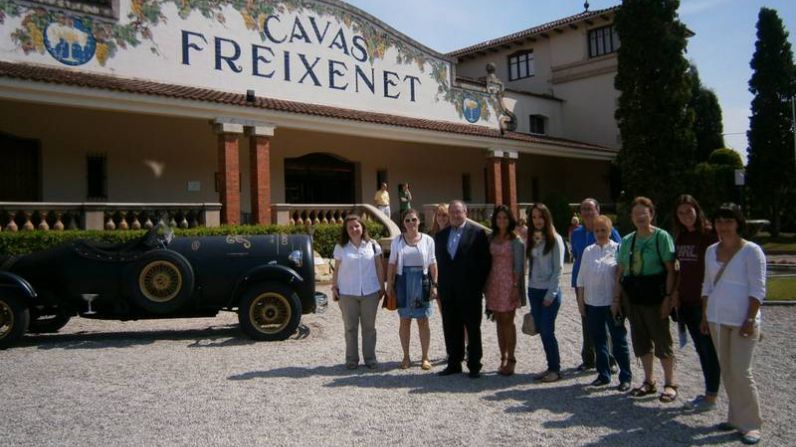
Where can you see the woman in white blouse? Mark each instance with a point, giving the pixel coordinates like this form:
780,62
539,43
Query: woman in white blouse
413,263
596,283
357,285
732,292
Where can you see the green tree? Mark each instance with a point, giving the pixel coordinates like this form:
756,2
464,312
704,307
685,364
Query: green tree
771,172
707,118
715,178
654,119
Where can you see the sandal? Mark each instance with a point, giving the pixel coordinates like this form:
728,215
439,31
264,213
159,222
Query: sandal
668,397
645,389
510,364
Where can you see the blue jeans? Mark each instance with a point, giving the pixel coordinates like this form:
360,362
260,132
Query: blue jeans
601,322
544,317
692,317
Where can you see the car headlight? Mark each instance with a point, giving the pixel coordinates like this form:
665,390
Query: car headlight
295,257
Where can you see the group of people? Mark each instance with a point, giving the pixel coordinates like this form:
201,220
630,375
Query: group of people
707,278
382,199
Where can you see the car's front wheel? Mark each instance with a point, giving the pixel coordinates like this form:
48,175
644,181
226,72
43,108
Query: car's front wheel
14,320
269,311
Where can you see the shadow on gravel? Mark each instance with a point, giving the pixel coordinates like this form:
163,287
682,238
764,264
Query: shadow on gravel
211,337
294,372
218,336
635,423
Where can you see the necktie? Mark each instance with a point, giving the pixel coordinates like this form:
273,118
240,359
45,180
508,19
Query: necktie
453,241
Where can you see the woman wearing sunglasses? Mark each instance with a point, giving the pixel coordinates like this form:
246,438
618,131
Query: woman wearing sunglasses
412,278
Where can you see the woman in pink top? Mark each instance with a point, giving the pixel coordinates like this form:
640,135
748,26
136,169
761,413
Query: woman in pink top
505,283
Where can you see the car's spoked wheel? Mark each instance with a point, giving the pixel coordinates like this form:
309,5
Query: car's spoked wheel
14,319
269,311
160,281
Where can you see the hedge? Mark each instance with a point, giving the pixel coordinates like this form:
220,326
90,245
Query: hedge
19,243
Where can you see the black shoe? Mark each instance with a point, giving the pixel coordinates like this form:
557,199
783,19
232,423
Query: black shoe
598,382
725,426
449,371
584,367
474,374
623,387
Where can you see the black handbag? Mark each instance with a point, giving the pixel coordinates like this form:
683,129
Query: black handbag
426,289
644,290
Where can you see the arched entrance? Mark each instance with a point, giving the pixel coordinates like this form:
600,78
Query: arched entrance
319,178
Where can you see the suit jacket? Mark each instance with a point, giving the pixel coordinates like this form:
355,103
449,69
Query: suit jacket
465,274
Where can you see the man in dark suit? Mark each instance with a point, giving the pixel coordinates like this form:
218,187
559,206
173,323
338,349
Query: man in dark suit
463,261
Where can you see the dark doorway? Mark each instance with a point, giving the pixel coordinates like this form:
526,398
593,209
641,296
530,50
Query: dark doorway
319,178
19,170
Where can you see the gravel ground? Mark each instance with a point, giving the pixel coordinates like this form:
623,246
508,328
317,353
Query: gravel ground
198,382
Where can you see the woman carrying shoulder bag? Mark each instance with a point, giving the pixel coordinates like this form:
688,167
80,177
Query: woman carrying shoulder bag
646,276
732,292
412,278
357,285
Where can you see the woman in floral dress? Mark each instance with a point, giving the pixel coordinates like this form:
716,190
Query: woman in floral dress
505,284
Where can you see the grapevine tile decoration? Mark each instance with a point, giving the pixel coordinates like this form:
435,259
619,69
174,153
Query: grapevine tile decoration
146,14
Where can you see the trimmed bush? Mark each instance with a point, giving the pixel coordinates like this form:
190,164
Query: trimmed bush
24,242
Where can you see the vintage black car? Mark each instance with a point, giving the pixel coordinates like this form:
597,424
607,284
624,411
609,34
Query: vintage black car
268,279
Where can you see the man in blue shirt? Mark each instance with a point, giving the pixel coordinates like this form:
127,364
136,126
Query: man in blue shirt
582,237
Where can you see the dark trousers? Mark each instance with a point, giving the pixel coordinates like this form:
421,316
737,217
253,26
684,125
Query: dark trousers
587,354
692,317
601,323
587,351
458,313
544,317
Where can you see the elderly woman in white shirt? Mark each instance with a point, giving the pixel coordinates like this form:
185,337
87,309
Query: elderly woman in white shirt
412,278
357,285
596,283
732,292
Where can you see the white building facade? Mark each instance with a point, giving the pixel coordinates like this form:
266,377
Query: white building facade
253,104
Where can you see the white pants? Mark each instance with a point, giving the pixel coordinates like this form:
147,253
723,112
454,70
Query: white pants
735,359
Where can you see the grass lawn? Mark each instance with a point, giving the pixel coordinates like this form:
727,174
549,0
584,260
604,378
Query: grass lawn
783,288
785,242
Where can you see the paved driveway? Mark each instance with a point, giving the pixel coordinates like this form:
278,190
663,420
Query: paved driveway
198,382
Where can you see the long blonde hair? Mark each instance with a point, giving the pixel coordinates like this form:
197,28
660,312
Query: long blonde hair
441,208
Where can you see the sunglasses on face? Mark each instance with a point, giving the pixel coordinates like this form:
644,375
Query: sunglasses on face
410,219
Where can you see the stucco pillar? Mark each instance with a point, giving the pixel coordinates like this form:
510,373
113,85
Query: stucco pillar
509,171
229,171
260,176
494,184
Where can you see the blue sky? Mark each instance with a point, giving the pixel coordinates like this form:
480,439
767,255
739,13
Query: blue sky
722,47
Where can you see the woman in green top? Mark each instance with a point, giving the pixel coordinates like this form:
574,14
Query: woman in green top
646,276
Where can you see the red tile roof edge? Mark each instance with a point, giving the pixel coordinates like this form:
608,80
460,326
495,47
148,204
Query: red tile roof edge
531,31
39,73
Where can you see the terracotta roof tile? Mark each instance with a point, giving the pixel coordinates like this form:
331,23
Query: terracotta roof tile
38,73
532,31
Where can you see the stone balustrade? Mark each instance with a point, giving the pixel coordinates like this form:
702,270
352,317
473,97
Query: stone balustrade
323,213
58,216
